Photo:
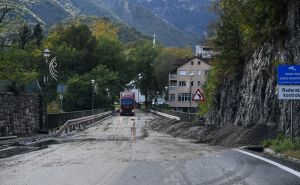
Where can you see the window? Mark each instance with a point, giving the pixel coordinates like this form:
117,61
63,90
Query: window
172,97
192,63
192,83
199,62
199,83
192,72
199,72
182,72
184,97
206,72
127,102
182,83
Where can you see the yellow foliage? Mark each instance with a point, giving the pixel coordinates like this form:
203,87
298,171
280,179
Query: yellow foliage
105,29
180,52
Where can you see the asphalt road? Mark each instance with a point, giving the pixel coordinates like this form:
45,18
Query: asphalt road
116,152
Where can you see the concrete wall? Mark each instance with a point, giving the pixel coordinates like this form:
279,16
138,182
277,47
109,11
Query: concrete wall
19,114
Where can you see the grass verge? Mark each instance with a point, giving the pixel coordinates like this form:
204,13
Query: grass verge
284,145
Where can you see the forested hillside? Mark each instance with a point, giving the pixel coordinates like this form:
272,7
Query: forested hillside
86,48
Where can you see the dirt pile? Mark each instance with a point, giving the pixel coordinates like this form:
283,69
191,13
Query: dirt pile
229,136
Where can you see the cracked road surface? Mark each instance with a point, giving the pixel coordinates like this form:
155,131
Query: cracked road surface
116,152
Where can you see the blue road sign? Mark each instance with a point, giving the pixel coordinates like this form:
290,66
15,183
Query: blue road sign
289,74
61,88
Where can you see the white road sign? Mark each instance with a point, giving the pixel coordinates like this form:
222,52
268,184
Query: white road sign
289,92
198,96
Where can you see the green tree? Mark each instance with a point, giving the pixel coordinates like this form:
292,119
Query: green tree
109,52
79,91
24,35
163,64
38,35
17,66
79,45
144,55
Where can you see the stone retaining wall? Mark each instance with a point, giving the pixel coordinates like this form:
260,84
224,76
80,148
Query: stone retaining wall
19,114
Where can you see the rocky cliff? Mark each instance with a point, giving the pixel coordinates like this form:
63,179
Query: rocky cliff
250,98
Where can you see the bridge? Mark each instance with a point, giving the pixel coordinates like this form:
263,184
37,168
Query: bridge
106,148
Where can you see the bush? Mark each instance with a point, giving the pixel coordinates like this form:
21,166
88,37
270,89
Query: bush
283,144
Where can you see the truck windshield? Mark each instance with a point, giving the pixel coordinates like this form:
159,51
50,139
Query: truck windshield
126,102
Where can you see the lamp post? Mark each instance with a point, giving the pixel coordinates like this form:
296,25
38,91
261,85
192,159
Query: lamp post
191,80
46,53
93,89
167,94
108,95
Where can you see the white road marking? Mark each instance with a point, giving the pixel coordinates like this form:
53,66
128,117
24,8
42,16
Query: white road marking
7,148
285,168
165,115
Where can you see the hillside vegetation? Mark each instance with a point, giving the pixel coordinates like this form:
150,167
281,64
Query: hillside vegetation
243,27
86,48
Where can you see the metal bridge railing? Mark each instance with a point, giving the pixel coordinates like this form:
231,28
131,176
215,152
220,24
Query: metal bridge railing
80,123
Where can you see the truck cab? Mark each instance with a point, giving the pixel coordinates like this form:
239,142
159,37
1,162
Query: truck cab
127,102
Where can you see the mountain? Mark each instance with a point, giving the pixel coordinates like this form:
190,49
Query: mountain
175,22
190,16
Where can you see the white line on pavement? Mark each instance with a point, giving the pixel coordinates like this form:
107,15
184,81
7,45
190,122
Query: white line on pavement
294,172
7,148
165,115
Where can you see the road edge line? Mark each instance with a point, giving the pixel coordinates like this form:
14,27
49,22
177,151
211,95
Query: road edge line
8,148
285,168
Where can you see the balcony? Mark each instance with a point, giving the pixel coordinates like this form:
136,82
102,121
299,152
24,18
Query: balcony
172,88
172,77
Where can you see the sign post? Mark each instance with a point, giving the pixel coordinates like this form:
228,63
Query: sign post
198,97
289,86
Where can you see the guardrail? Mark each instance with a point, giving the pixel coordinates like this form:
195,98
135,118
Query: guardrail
165,115
57,120
80,123
183,116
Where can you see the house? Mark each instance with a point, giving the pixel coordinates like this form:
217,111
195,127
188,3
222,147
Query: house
204,52
185,80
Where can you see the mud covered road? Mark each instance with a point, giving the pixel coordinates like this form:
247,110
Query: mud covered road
116,152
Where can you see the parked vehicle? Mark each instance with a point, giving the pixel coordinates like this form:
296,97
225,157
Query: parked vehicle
158,101
127,102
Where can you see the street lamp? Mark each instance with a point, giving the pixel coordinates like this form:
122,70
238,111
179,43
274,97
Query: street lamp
191,80
46,53
93,89
166,88
108,95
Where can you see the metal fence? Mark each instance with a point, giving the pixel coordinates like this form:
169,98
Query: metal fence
57,120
